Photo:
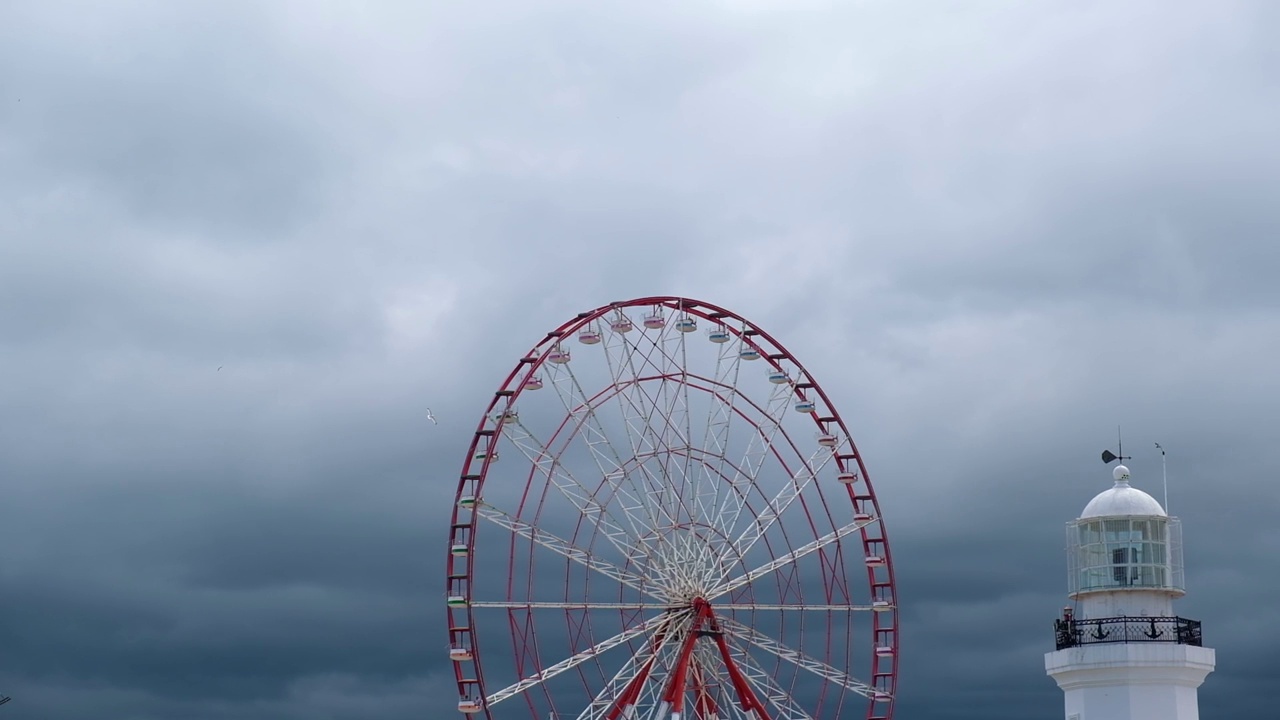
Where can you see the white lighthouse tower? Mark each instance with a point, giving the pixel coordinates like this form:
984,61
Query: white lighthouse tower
1122,652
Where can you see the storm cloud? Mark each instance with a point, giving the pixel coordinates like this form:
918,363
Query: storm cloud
994,232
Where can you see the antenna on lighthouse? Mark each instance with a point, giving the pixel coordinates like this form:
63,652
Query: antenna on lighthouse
1164,475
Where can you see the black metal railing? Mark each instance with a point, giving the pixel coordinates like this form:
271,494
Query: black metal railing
1072,632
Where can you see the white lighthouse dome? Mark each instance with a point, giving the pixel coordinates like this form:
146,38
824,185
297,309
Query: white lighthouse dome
1121,500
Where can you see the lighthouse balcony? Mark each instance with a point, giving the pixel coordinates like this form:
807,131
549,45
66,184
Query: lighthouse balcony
1072,632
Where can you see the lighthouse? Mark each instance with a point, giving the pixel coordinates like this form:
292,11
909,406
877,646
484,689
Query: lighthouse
1122,653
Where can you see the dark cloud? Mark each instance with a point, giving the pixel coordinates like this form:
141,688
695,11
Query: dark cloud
993,234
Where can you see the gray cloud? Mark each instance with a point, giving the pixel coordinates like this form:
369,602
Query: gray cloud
993,234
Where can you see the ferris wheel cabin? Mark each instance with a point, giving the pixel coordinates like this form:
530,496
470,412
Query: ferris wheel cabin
621,324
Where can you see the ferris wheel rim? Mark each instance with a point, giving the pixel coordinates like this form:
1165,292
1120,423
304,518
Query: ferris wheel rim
885,617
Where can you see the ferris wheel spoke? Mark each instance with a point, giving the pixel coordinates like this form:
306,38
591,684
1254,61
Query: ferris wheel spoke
683,497
643,404
611,463
671,364
789,558
668,558
804,662
637,419
764,685
639,408
758,448
721,514
562,547
540,605
777,505
723,377
715,445
655,623
663,489
681,397
682,489
719,424
753,607
573,490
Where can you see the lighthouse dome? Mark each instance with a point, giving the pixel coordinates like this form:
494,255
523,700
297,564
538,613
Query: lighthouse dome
1122,500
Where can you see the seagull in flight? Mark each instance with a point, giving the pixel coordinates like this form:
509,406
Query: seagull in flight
431,417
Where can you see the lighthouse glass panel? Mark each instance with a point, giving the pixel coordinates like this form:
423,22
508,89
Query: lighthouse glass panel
1122,552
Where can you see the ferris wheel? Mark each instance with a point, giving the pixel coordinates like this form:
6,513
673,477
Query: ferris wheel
662,516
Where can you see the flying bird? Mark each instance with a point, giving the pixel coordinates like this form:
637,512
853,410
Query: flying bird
431,417
219,368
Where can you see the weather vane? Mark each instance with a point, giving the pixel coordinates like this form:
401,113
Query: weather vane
1108,456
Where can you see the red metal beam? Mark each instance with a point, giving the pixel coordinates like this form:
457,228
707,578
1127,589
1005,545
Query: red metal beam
746,697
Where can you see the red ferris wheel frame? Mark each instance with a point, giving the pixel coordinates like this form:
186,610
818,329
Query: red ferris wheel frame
464,650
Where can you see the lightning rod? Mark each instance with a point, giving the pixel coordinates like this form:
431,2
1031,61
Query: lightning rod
1164,475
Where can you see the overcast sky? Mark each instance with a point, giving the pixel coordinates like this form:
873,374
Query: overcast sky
995,231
